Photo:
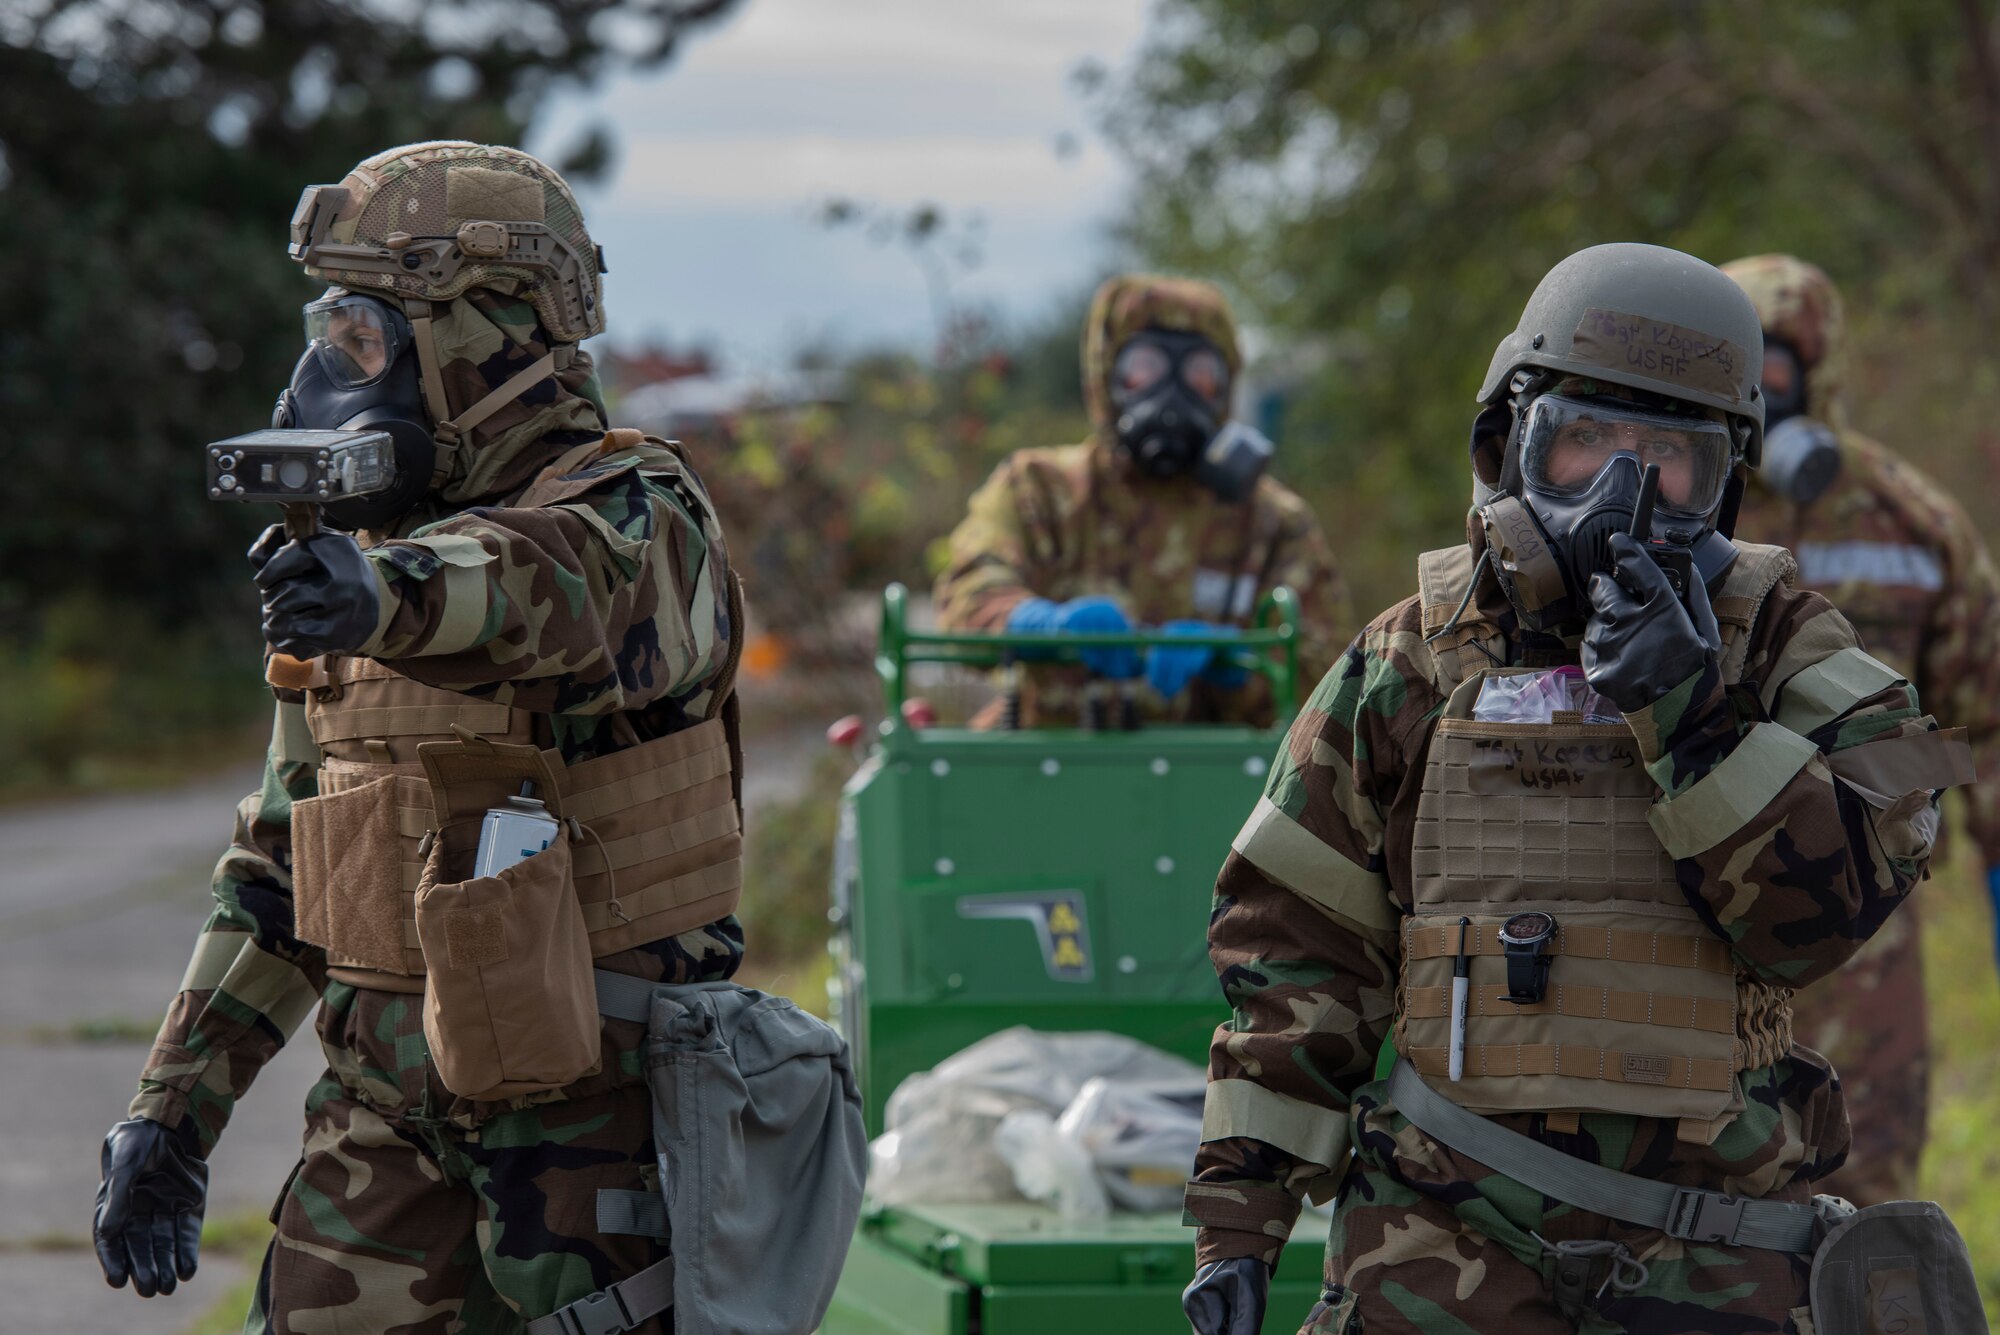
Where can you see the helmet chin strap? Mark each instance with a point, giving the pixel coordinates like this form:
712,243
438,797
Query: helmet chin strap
452,434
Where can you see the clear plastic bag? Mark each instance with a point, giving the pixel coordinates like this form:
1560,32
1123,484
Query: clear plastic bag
1049,1165
941,1143
1140,1137
1535,697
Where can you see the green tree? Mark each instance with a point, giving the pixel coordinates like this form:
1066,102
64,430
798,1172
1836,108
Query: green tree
151,152
1388,178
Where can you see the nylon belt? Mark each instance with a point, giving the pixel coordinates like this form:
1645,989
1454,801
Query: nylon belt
615,1309
1687,1213
623,997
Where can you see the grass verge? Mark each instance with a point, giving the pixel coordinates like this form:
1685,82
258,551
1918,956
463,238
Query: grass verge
1961,1167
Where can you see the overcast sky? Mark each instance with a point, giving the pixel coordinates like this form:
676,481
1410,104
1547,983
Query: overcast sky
705,219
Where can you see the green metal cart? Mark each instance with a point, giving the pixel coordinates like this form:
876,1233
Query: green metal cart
1057,878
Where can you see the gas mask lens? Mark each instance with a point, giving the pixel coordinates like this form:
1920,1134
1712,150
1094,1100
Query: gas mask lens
356,338
1140,366
1147,360
1569,442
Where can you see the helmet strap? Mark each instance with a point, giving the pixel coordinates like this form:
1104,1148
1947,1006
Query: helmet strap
432,375
1732,501
451,434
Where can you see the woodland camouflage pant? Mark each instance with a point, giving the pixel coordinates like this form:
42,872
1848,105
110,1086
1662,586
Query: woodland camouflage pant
1427,1242
397,1222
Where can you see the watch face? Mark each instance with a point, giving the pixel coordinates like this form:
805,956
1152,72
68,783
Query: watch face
1528,929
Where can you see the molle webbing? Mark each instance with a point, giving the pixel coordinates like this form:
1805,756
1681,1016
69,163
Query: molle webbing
1646,1011
1714,1014
658,822
1444,578
1678,950
1571,1061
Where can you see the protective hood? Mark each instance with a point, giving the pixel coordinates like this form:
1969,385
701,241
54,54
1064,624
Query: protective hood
1798,305
484,337
1131,302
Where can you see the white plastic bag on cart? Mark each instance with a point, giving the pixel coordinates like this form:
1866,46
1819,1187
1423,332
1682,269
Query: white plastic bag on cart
1140,1137
940,1143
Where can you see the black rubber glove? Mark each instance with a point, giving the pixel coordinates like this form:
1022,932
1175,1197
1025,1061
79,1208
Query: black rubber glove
1228,1297
1641,641
149,1207
319,593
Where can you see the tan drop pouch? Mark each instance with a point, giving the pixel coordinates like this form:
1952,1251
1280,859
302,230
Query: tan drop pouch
346,872
510,1005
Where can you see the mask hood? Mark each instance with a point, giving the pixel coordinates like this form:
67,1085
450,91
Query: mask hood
484,337
1130,303
1799,306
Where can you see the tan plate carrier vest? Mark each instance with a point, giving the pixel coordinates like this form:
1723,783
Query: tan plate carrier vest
405,764
1646,1011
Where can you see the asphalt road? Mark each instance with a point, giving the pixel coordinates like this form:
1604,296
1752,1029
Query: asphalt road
100,901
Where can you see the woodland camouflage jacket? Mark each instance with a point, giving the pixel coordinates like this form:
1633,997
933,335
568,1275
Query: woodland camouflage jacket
1781,859
605,611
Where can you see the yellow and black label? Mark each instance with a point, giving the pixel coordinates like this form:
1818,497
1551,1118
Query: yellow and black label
1061,927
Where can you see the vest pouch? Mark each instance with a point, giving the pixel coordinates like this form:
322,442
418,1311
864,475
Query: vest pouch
511,1005
347,875
757,1122
1898,1268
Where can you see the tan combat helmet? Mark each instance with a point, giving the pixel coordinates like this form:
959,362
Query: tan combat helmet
428,222
433,220
1648,318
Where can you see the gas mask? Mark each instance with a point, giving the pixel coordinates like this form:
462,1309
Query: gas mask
359,372
1170,391
1572,479
1801,453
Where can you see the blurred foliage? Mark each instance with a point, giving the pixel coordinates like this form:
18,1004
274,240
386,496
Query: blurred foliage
1961,1167
787,863
91,697
151,153
856,488
940,243
1382,182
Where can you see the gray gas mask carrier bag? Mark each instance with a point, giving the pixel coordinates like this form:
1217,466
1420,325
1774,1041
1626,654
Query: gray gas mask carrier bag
1900,1266
757,1125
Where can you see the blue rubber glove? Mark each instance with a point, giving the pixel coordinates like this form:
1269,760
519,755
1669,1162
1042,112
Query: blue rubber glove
1086,616
1170,667
1993,893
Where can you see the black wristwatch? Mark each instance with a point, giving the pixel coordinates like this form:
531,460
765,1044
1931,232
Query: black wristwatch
1524,935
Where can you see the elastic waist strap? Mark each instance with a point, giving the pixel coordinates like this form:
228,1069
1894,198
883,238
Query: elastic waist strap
1687,1213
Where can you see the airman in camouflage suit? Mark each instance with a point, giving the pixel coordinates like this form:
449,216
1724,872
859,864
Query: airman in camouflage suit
1792,868
602,609
1078,520
1904,564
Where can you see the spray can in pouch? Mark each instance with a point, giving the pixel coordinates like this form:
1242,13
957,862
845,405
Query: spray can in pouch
513,833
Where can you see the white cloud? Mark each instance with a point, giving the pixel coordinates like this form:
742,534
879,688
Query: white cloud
892,102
